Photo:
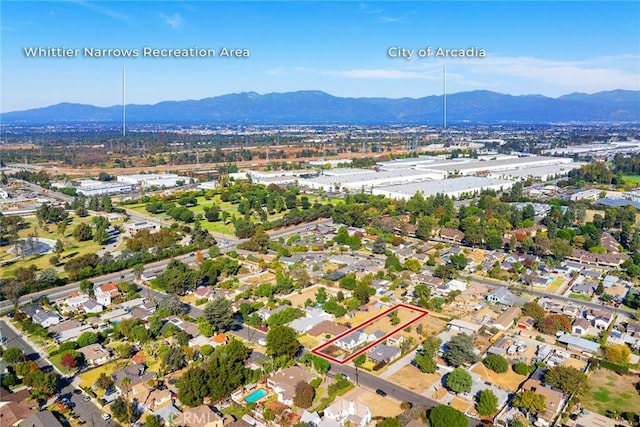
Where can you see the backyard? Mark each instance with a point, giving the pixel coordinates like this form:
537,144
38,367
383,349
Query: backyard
610,391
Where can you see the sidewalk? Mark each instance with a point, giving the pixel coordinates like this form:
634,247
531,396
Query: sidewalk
36,347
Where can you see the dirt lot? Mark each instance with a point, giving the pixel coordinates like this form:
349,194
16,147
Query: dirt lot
379,406
609,390
410,377
298,299
461,404
507,381
384,322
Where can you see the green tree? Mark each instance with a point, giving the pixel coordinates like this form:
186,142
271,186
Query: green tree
460,350
87,338
487,402
13,355
304,395
282,341
459,381
152,421
193,386
389,422
534,310
359,360
566,378
104,381
496,363
379,245
446,416
122,410
86,287
173,359
426,363
219,313
82,232
529,401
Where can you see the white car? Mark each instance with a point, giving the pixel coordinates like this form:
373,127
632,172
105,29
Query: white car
262,341
106,416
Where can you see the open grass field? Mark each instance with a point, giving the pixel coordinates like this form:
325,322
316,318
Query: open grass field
610,391
508,380
72,247
634,179
581,297
555,284
221,227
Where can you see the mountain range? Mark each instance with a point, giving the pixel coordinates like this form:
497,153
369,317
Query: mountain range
316,107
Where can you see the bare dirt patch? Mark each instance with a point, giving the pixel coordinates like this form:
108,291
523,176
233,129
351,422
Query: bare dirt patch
298,299
507,381
461,404
410,377
379,406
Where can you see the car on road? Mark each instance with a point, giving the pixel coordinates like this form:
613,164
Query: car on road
262,341
106,416
381,392
86,398
77,391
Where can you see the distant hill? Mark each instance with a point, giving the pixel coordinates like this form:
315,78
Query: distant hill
316,107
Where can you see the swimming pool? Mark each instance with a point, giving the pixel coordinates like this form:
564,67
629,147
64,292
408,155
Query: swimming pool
255,396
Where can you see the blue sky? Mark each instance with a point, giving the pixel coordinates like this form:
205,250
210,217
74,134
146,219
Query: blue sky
543,47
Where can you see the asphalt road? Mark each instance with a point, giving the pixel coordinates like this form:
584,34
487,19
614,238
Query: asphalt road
12,340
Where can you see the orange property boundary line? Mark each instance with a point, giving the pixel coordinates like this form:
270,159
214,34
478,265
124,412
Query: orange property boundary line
317,351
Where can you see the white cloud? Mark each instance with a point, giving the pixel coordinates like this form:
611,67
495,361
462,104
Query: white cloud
175,21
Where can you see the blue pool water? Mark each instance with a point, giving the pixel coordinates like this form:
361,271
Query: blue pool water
255,396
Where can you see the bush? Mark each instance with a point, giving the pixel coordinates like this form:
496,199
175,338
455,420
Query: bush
315,382
522,368
496,363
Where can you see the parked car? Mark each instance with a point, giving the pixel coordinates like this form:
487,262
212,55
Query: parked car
381,392
106,416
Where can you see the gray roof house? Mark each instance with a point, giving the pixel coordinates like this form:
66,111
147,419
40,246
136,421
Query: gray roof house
383,353
502,295
42,317
41,419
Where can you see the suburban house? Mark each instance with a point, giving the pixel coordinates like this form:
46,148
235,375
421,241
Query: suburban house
505,320
265,313
184,325
383,353
580,326
312,318
96,354
42,317
15,407
200,416
90,306
601,319
106,293
525,322
284,382
40,419
327,327
352,340
396,340
553,400
135,373
457,325
451,235
502,295
579,344
155,399
348,412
